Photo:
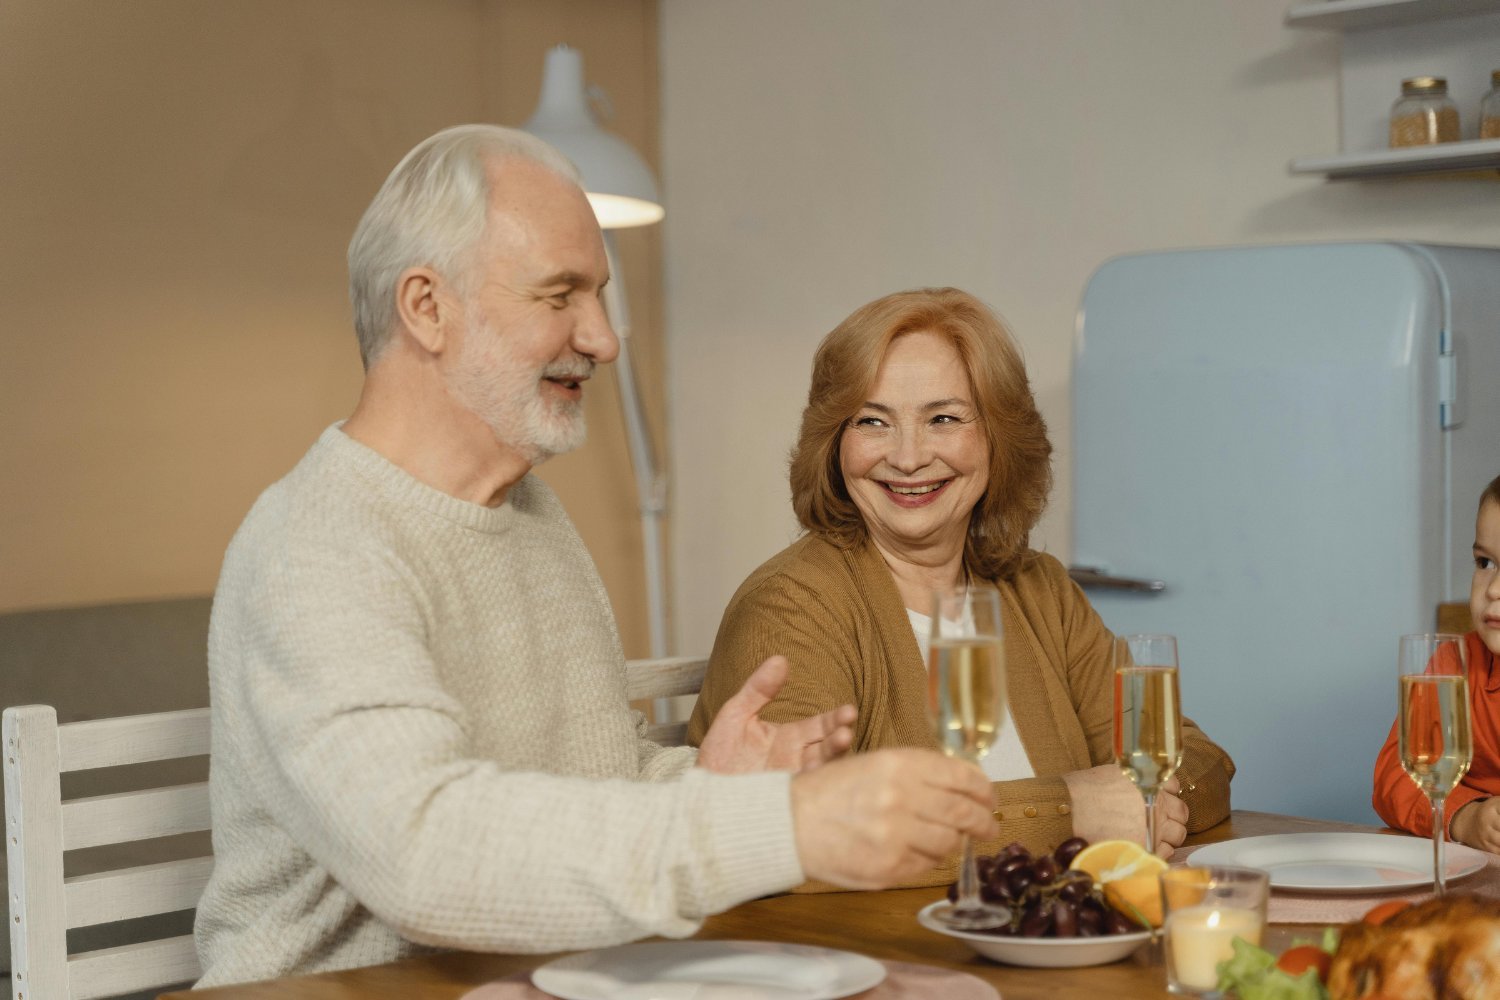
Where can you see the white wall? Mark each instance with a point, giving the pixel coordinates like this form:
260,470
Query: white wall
819,154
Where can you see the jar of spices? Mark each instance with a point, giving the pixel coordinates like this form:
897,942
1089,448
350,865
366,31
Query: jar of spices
1489,110
1425,114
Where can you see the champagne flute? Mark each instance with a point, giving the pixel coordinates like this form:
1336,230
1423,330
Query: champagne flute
1434,731
966,700
1148,716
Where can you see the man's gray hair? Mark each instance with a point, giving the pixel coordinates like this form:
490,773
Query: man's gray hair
430,212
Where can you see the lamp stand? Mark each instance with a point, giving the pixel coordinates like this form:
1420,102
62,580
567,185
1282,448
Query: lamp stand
650,482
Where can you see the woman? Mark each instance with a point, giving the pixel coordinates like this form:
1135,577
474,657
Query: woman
922,462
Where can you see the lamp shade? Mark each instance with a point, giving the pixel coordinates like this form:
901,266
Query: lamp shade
618,182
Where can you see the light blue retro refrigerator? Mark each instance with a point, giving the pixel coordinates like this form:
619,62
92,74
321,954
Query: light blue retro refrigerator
1277,455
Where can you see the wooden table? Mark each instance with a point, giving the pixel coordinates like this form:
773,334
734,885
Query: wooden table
880,924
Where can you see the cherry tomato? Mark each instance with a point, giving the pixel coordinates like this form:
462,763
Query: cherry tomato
1295,961
1385,911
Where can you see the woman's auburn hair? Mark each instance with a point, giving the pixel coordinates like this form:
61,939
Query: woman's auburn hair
844,370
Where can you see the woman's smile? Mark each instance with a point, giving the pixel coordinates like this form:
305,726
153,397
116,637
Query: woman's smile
915,494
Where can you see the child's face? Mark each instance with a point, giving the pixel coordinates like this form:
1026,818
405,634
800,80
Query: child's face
1484,593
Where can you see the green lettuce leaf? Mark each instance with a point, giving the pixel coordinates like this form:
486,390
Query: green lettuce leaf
1251,974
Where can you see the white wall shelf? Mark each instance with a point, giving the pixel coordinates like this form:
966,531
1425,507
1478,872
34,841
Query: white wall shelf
1340,15
1382,43
1477,154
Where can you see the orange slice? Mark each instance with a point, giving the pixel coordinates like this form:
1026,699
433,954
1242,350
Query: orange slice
1139,896
1127,873
1112,860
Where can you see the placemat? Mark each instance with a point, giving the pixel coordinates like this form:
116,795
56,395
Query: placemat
1321,908
903,981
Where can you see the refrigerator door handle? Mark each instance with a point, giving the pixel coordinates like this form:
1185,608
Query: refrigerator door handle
1093,576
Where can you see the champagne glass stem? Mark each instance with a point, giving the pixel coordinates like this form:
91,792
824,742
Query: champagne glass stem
968,880
1150,798
1439,881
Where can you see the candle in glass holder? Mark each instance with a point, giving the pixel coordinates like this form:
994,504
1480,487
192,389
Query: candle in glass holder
1206,909
1198,939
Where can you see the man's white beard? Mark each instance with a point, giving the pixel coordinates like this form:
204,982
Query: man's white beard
491,383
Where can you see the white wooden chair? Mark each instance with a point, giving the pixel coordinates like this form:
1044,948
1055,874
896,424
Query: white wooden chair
40,826
668,677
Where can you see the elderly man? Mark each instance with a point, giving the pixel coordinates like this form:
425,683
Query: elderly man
420,733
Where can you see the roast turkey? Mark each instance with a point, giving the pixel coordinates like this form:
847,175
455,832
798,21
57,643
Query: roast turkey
1443,949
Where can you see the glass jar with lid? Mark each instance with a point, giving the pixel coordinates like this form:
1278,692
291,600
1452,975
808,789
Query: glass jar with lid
1425,114
1489,110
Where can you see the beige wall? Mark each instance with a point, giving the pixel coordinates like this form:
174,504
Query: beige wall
180,183
817,155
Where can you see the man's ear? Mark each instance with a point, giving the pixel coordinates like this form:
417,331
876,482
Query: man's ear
426,308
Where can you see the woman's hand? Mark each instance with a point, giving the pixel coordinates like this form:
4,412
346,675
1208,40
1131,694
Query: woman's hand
1108,806
1171,818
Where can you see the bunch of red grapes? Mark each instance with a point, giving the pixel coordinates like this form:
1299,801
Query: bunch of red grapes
1045,897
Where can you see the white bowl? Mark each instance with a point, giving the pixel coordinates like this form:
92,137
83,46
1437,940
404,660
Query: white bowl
1041,953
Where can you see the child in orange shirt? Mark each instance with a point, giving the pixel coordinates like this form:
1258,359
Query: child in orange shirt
1472,810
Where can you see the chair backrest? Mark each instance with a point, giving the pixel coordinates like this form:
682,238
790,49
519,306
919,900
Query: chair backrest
1454,617
668,677
40,826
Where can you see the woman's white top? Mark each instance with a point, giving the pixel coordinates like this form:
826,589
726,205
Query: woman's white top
1007,759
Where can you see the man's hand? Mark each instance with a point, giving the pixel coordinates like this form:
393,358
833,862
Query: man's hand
738,741
1477,824
875,819
1107,806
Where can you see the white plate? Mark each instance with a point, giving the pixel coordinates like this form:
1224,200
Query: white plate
1340,862
1041,953
709,970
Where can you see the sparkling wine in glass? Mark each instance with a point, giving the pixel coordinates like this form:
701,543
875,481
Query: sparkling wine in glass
966,701
1434,731
1148,716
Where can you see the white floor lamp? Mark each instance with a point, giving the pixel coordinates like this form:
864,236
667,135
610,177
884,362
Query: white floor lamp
623,193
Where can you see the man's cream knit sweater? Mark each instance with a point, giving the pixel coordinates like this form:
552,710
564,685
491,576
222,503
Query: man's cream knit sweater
420,738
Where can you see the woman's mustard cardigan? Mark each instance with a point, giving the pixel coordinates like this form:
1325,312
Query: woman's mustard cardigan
837,616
